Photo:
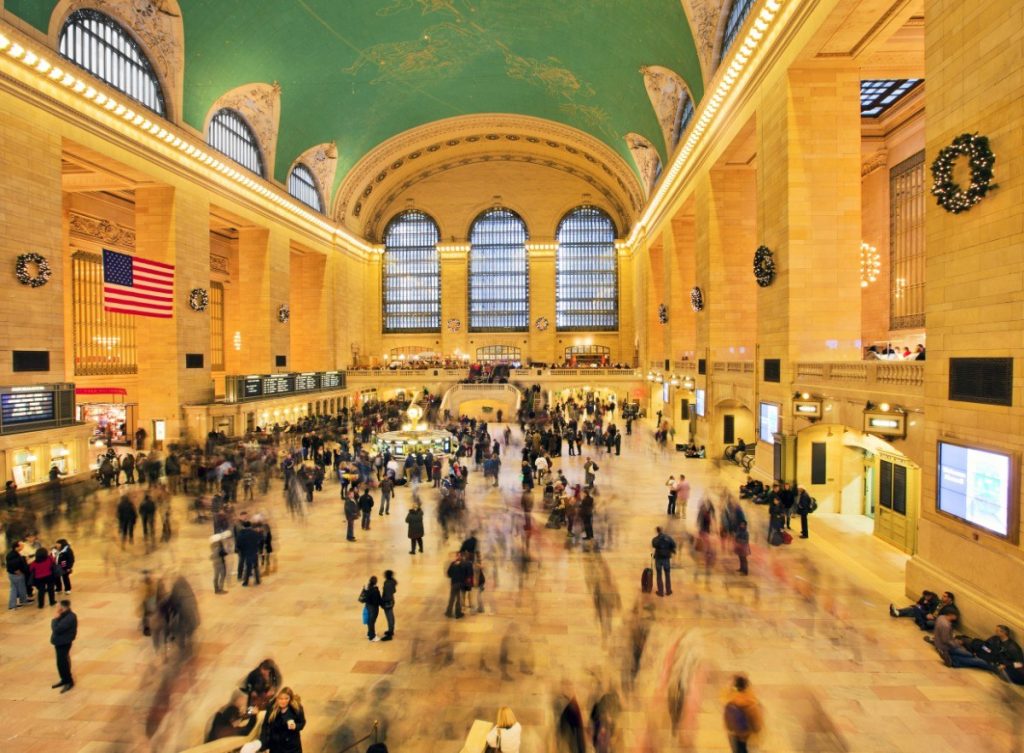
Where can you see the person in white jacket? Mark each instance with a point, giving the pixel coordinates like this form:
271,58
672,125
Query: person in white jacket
507,733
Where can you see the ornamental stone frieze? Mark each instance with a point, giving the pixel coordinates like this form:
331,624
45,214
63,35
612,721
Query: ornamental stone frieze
705,18
646,158
101,230
666,90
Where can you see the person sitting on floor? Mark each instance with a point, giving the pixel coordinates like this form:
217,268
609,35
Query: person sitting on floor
926,604
751,488
1000,654
947,606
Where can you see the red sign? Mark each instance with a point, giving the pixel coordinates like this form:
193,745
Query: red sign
100,391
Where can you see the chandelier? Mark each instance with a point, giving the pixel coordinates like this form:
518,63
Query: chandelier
870,264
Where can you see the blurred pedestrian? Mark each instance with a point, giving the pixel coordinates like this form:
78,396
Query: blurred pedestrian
743,717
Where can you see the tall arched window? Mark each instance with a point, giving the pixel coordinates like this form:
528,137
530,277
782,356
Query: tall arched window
99,44
586,272
412,274
230,135
499,278
738,13
302,185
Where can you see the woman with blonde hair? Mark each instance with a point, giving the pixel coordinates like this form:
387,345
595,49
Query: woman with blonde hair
507,733
282,724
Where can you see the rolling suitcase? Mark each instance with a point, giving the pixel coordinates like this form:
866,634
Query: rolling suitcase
787,537
647,580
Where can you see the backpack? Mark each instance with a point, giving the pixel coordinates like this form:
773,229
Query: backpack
363,595
813,506
736,720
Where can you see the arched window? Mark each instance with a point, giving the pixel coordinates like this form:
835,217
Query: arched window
302,185
412,274
586,272
230,135
499,278
683,117
99,44
738,13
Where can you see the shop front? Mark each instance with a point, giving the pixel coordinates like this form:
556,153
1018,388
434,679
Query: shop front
113,420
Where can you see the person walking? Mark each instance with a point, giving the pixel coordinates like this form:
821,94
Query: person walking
741,545
63,631
351,514
743,717
682,496
388,603
664,547
373,602
456,577
147,511
283,724
590,469
218,556
414,519
248,546
126,517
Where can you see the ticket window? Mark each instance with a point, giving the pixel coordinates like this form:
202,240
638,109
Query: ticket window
60,456
23,469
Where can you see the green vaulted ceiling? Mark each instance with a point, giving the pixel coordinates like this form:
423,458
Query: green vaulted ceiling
360,71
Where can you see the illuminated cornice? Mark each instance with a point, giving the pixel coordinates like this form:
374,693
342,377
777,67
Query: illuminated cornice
760,31
164,137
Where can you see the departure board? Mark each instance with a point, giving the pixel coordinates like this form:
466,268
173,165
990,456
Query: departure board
261,386
40,406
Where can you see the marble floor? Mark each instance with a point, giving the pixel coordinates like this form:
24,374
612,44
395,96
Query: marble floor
809,626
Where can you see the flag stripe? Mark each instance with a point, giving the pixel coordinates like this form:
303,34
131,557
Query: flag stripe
138,287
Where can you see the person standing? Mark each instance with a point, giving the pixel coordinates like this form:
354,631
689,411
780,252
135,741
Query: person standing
126,517
673,493
788,499
366,508
682,496
17,570
804,505
44,575
373,604
218,555
414,519
63,631
248,545
351,513
743,717
587,516
65,564
664,547
456,579
590,470
147,511
741,543
388,603
387,487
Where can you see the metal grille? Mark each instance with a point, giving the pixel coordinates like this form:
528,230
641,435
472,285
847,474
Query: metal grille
877,96
737,15
412,274
230,135
217,326
101,46
499,354
104,342
685,116
906,243
586,272
499,278
302,185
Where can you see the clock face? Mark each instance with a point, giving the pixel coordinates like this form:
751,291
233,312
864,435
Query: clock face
454,325
541,324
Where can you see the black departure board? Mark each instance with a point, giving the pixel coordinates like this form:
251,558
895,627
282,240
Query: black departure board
35,407
259,386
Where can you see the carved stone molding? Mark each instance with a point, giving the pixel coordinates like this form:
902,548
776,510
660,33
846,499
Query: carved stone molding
260,106
157,26
219,263
646,157
322,161
101,230
705,18
666,90
876,161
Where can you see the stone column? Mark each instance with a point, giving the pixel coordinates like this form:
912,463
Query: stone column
263,281
311,348
172,227
542,343
454,301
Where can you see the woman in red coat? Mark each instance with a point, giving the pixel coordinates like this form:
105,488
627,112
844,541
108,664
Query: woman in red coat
43,571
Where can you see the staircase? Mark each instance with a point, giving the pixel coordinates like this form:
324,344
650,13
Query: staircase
505,395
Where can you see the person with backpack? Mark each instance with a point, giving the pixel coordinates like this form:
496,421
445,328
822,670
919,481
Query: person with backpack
743,717
664,547
805,505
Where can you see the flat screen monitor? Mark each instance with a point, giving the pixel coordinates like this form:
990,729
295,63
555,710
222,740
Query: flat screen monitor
974,486
700,402
769,422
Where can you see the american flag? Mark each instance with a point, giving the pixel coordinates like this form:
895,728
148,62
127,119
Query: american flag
137,286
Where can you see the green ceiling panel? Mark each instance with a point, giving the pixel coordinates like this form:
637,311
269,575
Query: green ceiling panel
361,71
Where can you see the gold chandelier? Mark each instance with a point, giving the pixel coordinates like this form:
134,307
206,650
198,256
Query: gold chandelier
870,264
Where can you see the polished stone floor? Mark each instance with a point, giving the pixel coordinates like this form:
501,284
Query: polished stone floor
809,626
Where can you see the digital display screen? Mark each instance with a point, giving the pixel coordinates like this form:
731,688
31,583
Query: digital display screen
252,387
974,485
700,402
330,380
769,423
27,407
277,385
306,382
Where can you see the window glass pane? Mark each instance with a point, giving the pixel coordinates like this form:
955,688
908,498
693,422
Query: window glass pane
509,354
302,185
877,96
412,274
906,243
98,43
216,326
230,135
685,116
104,342
586,272
499,280
737,15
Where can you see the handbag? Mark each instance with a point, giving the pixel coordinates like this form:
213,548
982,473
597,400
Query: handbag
366,615
491,748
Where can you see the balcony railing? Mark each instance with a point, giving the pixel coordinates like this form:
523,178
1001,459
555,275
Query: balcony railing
863,373
732,367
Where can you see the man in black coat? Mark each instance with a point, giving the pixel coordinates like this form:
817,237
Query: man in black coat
126,517
366,508
147,511
456,577
248,545
351,513
63,631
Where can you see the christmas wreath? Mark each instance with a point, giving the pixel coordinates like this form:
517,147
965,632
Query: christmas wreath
198,299
947,192
283,313
454,325
25,277
697,299
541,324
764,266
662,313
